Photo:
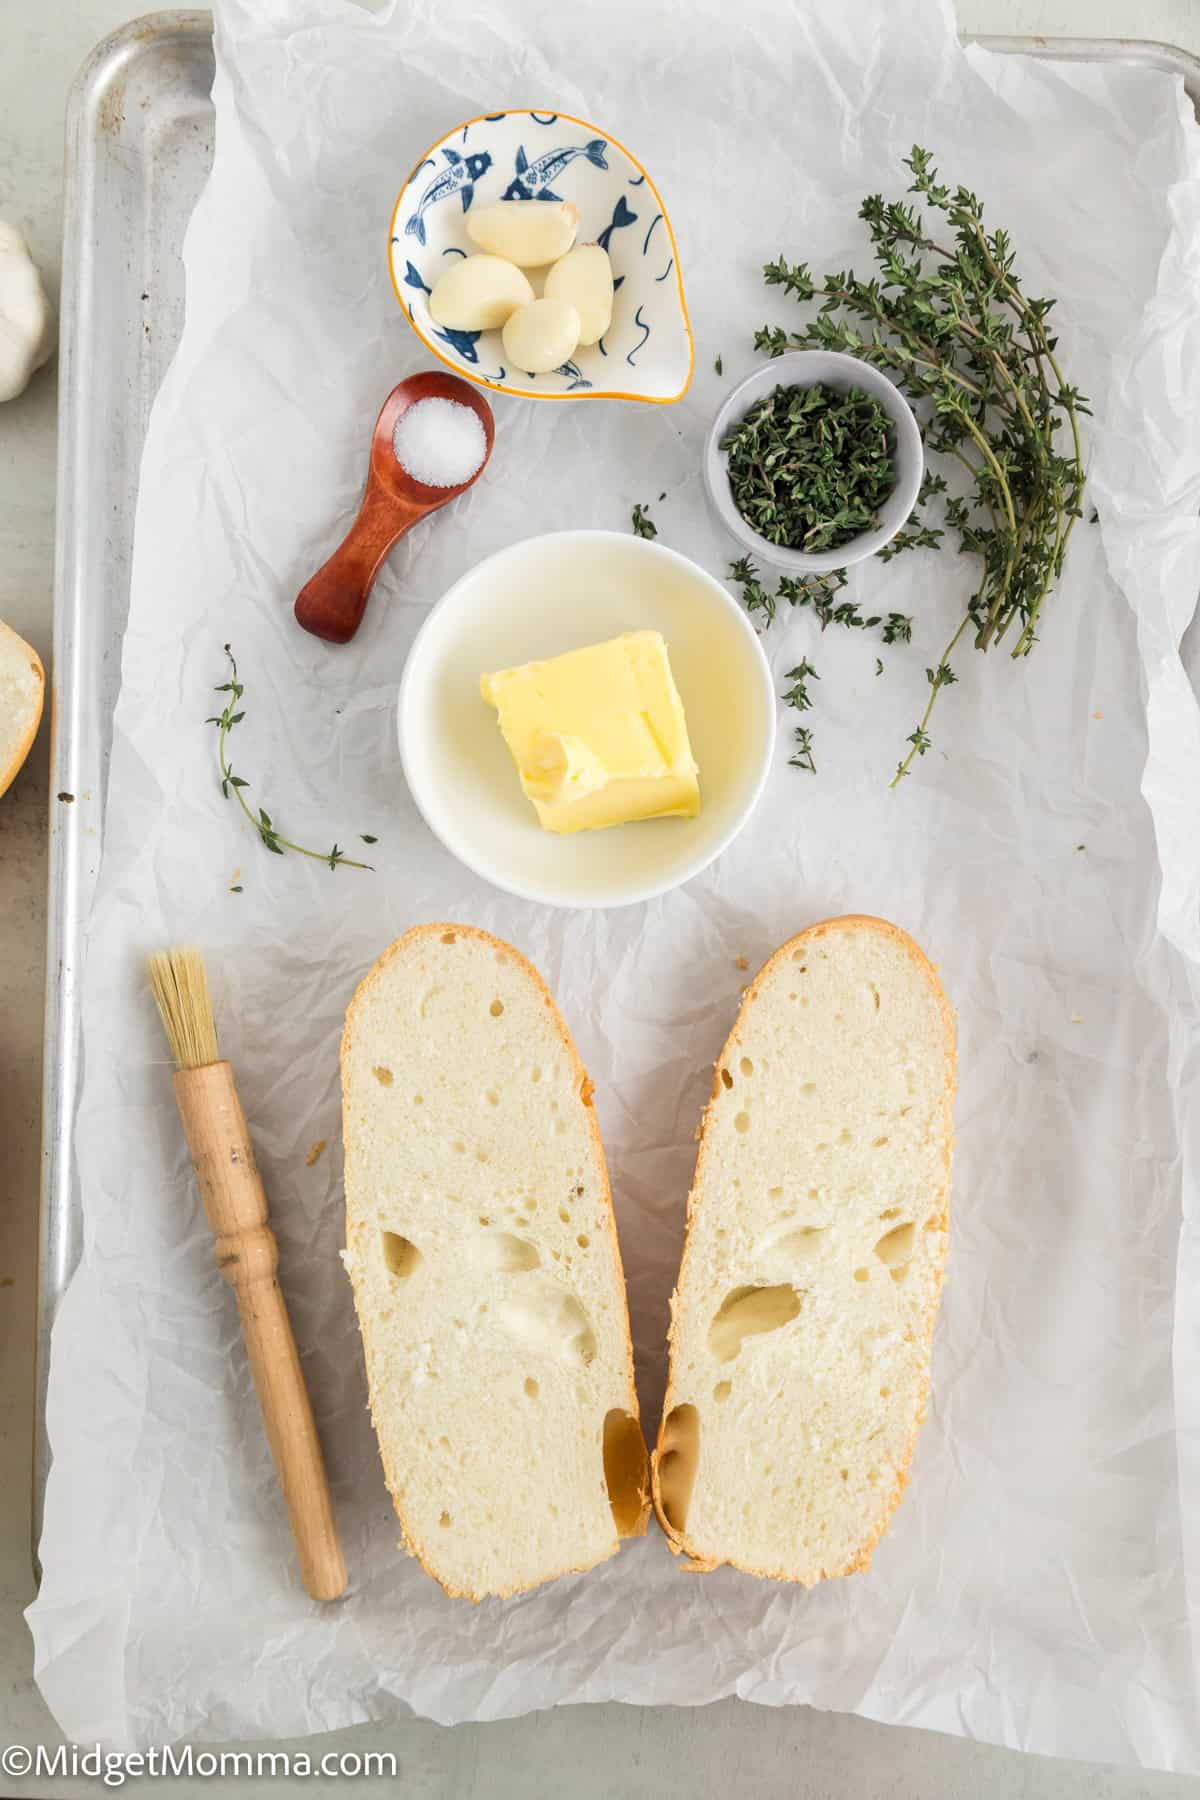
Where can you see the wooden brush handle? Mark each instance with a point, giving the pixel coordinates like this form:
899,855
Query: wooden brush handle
248,1256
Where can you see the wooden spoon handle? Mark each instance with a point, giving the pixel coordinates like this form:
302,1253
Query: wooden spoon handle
248,1257
332,603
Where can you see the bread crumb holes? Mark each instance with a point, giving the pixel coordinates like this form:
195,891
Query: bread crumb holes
400,1255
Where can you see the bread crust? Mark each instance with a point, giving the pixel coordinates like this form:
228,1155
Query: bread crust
586,1088
677,1539
10,771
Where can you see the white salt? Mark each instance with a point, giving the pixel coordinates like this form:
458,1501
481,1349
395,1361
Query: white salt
439,442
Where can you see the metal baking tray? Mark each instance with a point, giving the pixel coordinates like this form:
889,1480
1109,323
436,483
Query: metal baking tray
139,146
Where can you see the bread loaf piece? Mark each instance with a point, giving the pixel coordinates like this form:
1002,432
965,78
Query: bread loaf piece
482,1249
22,688
802,1324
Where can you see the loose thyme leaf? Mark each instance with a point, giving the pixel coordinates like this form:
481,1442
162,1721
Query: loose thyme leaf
643,524
232,784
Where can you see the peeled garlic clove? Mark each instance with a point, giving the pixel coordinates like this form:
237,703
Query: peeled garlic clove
478,293
584,277
527,232
542,335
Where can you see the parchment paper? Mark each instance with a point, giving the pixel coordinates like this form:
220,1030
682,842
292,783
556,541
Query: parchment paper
1038,1584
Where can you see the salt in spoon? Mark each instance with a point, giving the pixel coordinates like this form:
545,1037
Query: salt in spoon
332,603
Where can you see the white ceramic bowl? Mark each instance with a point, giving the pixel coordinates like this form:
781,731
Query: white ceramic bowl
646,354
537,599
804,368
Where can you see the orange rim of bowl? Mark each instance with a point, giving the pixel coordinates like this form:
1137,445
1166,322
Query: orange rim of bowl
504,387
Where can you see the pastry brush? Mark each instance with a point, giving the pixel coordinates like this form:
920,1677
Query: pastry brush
248,1258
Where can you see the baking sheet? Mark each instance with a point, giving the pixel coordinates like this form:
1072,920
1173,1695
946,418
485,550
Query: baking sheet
741,917
133,172
139,142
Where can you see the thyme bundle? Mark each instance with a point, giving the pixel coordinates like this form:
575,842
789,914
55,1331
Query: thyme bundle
950,320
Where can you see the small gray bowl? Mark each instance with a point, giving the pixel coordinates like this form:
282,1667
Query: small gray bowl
804,368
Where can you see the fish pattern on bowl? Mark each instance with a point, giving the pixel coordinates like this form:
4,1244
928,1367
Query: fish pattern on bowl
646,354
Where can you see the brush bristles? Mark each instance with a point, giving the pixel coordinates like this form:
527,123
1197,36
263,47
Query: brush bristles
181,989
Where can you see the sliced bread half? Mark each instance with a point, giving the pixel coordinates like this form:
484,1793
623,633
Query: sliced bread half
482,1248
22,688
802,1323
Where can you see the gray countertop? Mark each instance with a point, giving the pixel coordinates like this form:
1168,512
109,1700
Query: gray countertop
586,1751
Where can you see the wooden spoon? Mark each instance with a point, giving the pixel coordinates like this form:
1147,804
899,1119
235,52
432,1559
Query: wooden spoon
332,604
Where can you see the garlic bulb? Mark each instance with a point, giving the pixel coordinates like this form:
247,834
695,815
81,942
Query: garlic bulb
26,326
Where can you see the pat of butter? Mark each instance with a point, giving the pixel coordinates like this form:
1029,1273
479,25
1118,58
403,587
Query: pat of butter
598,735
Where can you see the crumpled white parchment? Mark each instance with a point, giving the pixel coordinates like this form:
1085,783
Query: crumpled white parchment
1038,1583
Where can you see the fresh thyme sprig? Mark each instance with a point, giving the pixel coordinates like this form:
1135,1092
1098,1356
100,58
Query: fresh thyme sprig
797,695
755,597
952,322
802,755
897,629
233,784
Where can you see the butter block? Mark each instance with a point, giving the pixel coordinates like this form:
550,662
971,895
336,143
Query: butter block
599,735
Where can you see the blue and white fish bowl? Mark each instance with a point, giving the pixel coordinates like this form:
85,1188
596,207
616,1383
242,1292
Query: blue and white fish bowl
647,352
